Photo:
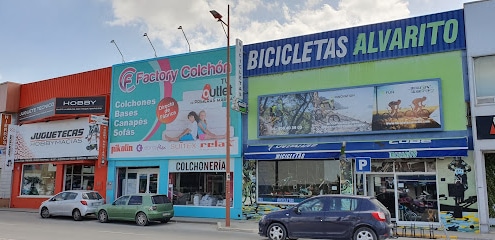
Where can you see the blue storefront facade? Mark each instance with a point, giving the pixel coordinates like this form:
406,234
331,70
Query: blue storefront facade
167,132
390,96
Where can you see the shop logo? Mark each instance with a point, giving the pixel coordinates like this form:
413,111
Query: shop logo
412,141
125,80
218,91
121,148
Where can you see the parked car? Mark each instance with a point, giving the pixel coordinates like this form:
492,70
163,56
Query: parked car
141,208
75,203
330,217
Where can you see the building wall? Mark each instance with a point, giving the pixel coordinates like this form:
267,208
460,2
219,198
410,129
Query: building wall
479,19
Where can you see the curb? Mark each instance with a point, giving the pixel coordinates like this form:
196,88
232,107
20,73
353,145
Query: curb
233,229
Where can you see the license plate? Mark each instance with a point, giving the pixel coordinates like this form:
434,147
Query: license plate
166,214
96,204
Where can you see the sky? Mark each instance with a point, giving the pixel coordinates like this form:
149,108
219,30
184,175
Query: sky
44,39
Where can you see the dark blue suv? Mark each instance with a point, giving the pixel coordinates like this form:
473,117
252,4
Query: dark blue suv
331,217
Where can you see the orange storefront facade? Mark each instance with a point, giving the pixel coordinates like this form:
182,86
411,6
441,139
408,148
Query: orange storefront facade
57,145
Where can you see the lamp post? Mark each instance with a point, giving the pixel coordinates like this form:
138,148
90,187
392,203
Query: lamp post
146,35
180,27
113,41
228,194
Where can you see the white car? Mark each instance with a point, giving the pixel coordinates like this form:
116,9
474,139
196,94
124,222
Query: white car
75,203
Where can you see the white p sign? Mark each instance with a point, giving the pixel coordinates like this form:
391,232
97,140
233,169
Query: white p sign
363,164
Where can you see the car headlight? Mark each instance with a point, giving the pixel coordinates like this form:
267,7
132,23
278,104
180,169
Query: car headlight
263,218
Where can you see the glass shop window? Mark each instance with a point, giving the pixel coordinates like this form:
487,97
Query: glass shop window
199,188
484,76
295,180
79,177
38,179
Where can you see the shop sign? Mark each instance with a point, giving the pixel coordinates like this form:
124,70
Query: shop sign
485,127
58,139
11,148
403,154
407,37
37,111
4,127
203,165
80,105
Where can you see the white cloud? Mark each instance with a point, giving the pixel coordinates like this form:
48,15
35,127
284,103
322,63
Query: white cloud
254,20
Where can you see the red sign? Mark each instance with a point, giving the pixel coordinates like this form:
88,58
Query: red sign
4,129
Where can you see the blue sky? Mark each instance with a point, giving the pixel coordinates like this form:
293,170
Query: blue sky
44,39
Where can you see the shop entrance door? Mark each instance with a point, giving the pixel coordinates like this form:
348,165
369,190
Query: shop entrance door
144,180
382,186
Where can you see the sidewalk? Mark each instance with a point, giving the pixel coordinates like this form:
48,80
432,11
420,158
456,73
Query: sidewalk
251,226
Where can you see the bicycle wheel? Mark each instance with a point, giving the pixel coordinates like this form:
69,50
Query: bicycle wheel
410,113
333,118
424,113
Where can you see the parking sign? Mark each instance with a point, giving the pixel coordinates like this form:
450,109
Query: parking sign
363,164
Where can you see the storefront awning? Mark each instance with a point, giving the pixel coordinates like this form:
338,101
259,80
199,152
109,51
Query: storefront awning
293,151
412,148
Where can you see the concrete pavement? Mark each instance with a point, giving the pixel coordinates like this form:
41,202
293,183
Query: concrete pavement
251,226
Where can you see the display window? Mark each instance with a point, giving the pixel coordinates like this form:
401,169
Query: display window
38,179
79,177
292,181
199,188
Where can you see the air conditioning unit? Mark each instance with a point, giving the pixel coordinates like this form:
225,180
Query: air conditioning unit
485,100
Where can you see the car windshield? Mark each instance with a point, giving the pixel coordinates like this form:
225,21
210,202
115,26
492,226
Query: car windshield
91,196
160,199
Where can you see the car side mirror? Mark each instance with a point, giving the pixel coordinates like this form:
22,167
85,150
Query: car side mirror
113,203
297,210
53,199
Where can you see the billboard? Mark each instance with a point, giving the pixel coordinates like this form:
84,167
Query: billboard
173,107
60,139
410,106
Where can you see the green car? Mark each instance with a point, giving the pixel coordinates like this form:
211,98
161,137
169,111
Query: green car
141,208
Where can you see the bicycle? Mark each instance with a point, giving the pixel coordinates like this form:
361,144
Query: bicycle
421,112
331,117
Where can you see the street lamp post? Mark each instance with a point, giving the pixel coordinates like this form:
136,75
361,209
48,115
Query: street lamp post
228,194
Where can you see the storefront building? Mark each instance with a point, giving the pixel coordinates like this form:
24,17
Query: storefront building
56,146
374,110
168,128
9,104
481,62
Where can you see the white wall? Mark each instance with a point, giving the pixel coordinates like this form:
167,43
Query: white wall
480,38
5,179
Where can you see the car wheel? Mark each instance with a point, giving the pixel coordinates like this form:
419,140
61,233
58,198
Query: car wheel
141,219
166,220
276,231
364,233
76,215
103,216
45,213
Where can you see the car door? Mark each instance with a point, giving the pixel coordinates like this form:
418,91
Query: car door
55,204
115,211
307,220
134,203
68,204
340,218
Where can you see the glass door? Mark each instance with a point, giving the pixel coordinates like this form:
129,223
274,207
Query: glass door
382,187
141,181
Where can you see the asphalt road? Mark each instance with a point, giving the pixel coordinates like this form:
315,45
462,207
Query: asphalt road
30,226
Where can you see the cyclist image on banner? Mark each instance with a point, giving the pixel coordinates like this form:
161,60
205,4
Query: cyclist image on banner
406,106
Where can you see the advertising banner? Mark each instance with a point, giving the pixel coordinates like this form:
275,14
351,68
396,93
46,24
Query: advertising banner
485,127
4,127
10,149
80,105
412,106
60,139
174,106
37,111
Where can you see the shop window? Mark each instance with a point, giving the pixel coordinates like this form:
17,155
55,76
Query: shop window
484,79
199,188
38,179
417,198
79,177
295,180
